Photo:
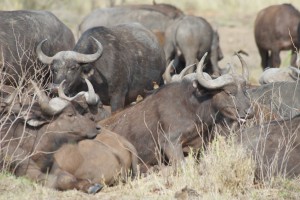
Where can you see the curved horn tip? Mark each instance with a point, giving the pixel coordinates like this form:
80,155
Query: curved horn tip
202,59
61,84
97,41
40,54
44,40
41,43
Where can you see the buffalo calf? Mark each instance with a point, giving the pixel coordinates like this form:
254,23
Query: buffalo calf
101,161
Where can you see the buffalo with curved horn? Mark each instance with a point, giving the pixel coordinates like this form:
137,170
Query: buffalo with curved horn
18,43
30,138
121,62
180,114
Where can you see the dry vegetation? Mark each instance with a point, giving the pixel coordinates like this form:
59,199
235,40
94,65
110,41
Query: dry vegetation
226,170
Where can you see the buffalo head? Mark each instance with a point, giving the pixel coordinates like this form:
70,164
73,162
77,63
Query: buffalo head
59,116
229,96
67,65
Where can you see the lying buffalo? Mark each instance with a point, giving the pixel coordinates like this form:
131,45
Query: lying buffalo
103,160
280,98
276,147
180,112
120,61
29,138
277,28
18,43
290,74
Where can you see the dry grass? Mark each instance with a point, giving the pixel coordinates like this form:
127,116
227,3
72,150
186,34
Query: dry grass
226,171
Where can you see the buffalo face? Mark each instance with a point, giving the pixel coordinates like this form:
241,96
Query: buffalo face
229,92
68,65
60,117
74,126
232,101
63,69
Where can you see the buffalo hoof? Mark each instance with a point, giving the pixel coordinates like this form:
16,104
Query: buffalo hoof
95,188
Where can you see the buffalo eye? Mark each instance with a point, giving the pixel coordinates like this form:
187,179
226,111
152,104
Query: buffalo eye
70,114
54,71
73,68
228,92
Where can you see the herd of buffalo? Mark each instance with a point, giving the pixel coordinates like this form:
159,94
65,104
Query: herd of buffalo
71,112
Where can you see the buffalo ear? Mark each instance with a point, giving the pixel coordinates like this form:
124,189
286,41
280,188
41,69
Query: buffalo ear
87,71
36,122
34,119
200,90
195,84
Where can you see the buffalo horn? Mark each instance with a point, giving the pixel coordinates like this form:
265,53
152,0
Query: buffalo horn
217,83
85,58
49,107
167,74
244,67
43,58
8,100
91,97
183,72
62,95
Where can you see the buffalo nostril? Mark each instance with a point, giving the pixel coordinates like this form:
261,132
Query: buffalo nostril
98,127
249,111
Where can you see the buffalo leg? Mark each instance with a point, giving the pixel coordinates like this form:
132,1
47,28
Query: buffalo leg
66,181
264,58
275,59
213,62
174,153
117,102
190,59
170,52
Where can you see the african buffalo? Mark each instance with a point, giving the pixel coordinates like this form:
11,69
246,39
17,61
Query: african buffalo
290,74
191,37
275,146
120,70
281,98
29,138
18,43
277,28
102,160
154,17
186,38
178,113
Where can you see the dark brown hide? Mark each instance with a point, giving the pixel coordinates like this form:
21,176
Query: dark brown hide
18,43
29,139
275,146
131,60
273,29
176,114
